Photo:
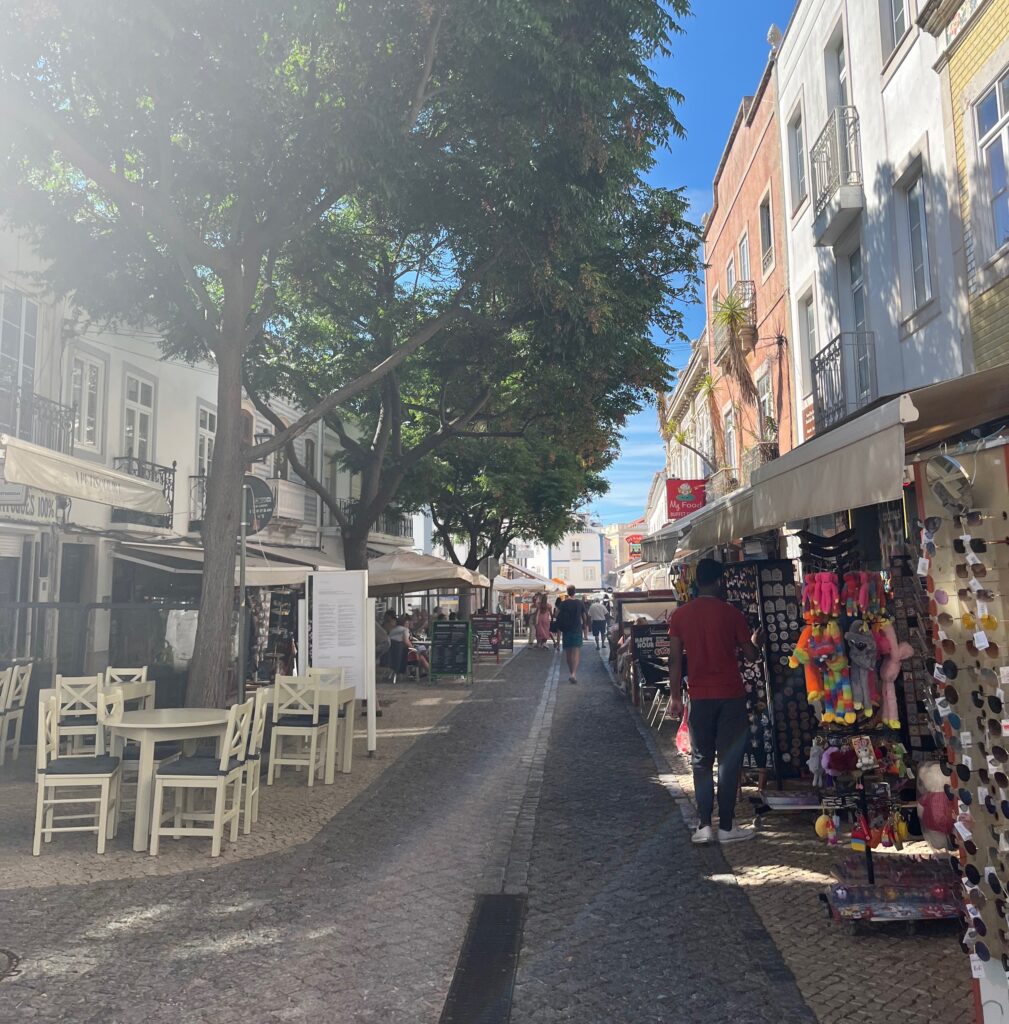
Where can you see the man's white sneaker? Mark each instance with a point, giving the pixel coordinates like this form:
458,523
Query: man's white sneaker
703,835
735,835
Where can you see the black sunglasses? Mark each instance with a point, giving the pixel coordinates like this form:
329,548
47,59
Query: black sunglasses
977,545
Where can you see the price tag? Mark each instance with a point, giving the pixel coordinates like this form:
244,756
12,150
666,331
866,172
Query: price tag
981,640
976,966
965,833
982,608
1003,675
1005,727
966,739
972,559
939,674
922,566
992,764
968,762
982,793
972,910
1003,843
942,636
974,584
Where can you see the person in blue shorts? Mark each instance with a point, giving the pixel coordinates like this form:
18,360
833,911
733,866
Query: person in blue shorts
572,623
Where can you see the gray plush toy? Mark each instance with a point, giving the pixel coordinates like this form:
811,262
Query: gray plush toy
862,663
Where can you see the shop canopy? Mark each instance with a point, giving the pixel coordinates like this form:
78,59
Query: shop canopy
861,462
662,546
723,521
46,470
525,586
263,568
407,572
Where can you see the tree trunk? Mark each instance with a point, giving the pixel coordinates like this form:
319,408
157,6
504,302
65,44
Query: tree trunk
208,671
355,549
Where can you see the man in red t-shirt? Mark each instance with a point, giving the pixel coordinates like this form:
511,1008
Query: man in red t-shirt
713,634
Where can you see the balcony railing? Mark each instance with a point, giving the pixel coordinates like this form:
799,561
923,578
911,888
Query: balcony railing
836,156
162,475
759,455
746,293
197,502
391,522
31,417
724,482
844,378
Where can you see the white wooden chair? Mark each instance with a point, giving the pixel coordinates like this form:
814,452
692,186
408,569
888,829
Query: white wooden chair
254,759
336,677
6,679
78,699
80,775
12,712
297,714
222,776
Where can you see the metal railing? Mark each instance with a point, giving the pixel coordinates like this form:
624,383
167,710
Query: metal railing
746,292
836,156
31,417
197,501
391,522
759,455
162,475
725,481
844,378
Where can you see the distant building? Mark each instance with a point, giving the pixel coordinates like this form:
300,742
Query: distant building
579,558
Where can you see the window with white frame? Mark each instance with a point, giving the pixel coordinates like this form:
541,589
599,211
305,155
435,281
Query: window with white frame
917,232
87,382
765,407
744,256
729,429
992,117
19,324
589,573
705,442
730,274
807,324
206,436
766,234
894,14
797,159
138,417
576,549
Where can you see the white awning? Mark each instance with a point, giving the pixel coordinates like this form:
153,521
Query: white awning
723,521
45,470
861,462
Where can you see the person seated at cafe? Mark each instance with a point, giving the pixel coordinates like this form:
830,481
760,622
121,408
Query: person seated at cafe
401,633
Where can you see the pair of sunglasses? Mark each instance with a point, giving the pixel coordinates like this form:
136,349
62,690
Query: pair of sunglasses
977,545
965,569
991,650
969,621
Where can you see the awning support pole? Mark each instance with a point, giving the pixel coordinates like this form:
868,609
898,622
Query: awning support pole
242,652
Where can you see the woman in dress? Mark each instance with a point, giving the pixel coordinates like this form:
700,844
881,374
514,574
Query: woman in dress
543,617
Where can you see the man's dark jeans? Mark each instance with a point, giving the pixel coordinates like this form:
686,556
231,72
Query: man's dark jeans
717,727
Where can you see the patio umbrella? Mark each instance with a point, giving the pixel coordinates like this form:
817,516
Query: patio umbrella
407,572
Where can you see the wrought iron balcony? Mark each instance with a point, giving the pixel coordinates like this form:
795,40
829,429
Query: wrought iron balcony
759,455
390,523
844,378
724,482
31,417
197,502
162,475
836,165
745,293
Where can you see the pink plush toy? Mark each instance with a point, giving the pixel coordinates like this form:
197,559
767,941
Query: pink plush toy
826,596
893,653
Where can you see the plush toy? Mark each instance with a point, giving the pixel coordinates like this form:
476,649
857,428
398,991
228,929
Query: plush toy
808,591
871,595
862,658
800,656
815,762
839,762
825,595
935,810
826,828
849,594
893,653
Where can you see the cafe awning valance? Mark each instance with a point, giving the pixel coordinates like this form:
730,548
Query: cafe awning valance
45,470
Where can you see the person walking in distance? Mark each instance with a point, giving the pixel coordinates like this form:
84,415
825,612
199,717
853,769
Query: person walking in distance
572,622
713,634
597,616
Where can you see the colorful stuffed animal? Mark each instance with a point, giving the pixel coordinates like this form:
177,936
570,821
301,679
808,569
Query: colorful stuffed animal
800,656
849,594
825,595
893,653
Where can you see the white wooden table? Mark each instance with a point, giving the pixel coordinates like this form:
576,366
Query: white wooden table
335,698
162,725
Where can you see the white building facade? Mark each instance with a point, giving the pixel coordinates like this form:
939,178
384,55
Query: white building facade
877,294
580,558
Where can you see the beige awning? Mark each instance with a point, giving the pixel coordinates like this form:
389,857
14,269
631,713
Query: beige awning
187,560
861,462
45,470
407,572
723,521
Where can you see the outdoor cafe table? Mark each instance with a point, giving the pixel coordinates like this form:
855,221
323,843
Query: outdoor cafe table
159,726
335,698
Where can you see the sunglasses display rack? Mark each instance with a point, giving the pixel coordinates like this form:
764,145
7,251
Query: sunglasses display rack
965,562
781,721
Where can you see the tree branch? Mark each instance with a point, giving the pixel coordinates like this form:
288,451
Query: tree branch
420,93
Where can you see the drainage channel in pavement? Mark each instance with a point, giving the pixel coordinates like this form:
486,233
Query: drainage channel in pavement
8,963
484,979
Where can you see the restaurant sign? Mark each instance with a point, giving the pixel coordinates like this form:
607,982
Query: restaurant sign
633,546
683,497
23,504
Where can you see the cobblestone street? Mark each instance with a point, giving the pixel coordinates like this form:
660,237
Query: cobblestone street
522,784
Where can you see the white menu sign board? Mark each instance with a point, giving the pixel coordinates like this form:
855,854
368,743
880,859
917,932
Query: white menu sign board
338,609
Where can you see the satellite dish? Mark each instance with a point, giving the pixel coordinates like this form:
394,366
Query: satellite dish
950,483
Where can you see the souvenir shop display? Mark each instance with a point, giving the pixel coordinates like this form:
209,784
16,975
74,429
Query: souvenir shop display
964,525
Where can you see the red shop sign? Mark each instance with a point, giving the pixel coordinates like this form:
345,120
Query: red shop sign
683,497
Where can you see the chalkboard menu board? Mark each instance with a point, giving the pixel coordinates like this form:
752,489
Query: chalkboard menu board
651,651
507,625
486,636
450,649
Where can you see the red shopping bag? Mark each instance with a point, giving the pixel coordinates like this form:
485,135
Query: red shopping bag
683,733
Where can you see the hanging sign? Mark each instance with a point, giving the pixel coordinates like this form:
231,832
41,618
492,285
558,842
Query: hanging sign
683,497
259,503
633,546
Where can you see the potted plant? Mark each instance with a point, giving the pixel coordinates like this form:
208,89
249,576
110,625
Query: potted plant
736,316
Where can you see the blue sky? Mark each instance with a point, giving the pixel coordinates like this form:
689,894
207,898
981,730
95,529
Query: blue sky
715,64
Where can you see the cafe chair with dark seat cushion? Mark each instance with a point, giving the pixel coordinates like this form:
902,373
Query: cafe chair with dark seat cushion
254,761
298,716
78,706
93,783
221,776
